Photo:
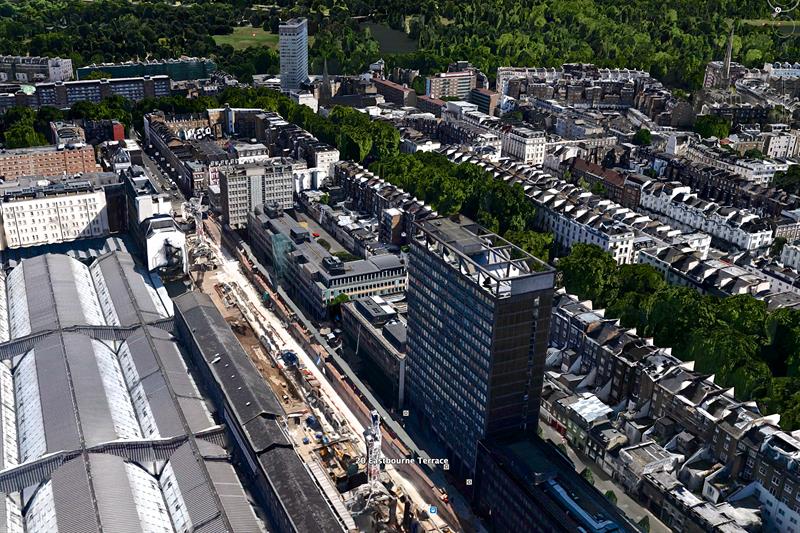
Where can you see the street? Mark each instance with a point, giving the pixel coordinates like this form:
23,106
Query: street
627,505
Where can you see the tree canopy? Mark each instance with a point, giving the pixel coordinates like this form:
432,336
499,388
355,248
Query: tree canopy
712,126
737,338
672,40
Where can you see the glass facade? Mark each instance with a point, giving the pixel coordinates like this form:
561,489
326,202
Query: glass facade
472,351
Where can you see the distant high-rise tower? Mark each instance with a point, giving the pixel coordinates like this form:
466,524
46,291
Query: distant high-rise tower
728,54
293,35
478,324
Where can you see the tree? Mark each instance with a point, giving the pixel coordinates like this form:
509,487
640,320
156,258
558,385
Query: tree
98,75
673,313
637,283
712,126
324,243
788,181
18,128
598,188
418,84
777,246
591,273
346,257
340,299
782,344
587,475
22,135
644,524
642,137
754,153
732,357
611,497
536,244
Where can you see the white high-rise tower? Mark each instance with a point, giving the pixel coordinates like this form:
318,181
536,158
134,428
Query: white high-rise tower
293,36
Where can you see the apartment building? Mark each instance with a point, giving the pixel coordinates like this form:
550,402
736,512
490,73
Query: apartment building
26,69
686,268
567,71
524,144
738,228
790,255
576,215
178,69
395,209
486,100
395,93
779,145
757,171
735,454
47,161
63,94
293,48
450,84
53,213
722,186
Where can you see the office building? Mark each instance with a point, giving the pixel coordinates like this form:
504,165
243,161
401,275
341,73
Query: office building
293,47
485,99
376,333
478,321
104,428
24,69
314,276
244,187
47,161
318,279
150,221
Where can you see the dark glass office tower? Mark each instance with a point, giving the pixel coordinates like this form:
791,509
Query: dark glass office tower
478,324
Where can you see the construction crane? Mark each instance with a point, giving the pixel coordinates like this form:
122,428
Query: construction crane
372,436
196,208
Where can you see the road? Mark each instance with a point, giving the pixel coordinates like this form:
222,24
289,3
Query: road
603,483
344,401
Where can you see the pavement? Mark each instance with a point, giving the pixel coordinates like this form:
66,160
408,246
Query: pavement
604,483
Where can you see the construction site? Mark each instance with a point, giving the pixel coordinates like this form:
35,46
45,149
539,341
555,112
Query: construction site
340,447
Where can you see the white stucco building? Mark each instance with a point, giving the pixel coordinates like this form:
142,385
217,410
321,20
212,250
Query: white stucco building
679,205
52,213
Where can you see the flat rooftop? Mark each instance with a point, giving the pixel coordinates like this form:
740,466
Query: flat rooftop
490,261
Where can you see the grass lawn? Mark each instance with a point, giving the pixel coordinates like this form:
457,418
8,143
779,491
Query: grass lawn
245,36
